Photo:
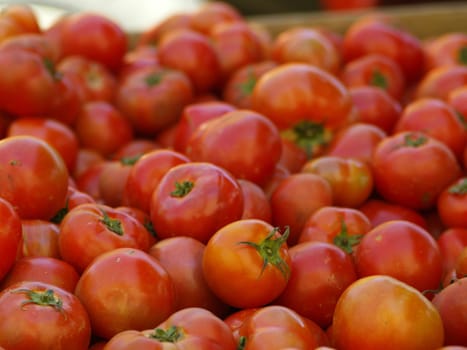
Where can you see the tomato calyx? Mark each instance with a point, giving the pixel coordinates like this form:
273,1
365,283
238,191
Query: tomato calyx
171,335
459,188
241,343
150,228
113,225
50,67
309,136
414,140
153,79
462,119
182,188
58,217
345,241
130,160
42,298
379,80
462,55
269,248
246,87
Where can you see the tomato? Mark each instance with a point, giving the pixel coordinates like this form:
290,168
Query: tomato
193,54
451,243
102,127
23,16
446,49
336,5
255,202
452,305
246,263
437,119
140,57
135,148
182,258
457,99
223,141
93,36
411,168
112,181
194,328
42,269
296,93
277,327
238,88
293,157
88,181
351,180
379,211
68,101
419,260
57,134
42,316
306,45
149,37
91,229
153,98
125,288
452,203
143,218
439,82
145,175
40,238
30,168
211,13
375,70
358,141
10,236
373,311
297,197
310,291
34,42
343,227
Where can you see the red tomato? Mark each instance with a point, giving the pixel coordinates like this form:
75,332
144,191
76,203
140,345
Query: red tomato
375,70
93,36
153,98
140,57
135,149
297,197
149,37
112,181
85,158
293,157
89,230
125,288
441,81
351,180
310,291
452,204
23,16
306,45
42,269
246,263
255,202
195,199
42,316
194,328
419,260
34,42
211,13
437,119
102,127
182,258
243,142
296,93
457,98
40,238
446,49
10,236
452,306
30,168
57,134
451,243
411,169
372,311
145,175
337,5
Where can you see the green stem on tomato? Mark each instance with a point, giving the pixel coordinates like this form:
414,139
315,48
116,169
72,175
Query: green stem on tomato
414,140
459,188
182,188
113,225
379,80
42,298
170,335
345,241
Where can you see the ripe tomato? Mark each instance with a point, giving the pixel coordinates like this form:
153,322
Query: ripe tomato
124,289
439,82
195,199
457,99
211,13
244,142
30,168
42,316
91,229
112,181
372,311
194,328
419,260
411,168
33,42
452,204
10,236
246,263
446,49
40,238
310,291
452,306
182,258
255,202
451,243
149,37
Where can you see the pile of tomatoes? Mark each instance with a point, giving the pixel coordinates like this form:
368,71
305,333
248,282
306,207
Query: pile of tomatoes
208,185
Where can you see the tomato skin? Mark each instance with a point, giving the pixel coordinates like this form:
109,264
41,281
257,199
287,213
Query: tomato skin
451,204
221,140
253,280
91,229
10,236
33,42
150,36
211,13
195,199
451,242
40,238
255,202
446,49
309,291
402,159
294,92
61,323
418,255
451,304
372,311
30,168
42,269
124,289
439,82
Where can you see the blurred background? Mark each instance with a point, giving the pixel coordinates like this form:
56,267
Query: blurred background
137,15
